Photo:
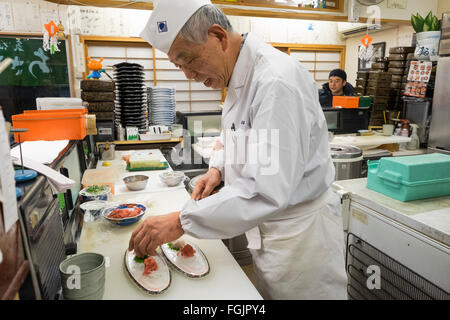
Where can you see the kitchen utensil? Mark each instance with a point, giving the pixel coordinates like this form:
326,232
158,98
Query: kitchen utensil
107,150
388,129
88,195
83,276
136,182
172,178
123,221
93,208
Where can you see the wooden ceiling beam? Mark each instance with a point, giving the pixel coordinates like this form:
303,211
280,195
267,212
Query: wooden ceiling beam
254,12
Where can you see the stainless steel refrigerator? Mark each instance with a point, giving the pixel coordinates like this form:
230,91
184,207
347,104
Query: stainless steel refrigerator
439,139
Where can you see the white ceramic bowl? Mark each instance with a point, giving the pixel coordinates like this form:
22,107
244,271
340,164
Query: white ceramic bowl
172,178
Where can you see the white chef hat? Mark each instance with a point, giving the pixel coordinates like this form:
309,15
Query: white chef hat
167,19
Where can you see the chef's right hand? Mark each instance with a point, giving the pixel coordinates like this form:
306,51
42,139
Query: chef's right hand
205,185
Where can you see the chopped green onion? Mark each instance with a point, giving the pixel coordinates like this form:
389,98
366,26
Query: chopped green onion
170,245
140,260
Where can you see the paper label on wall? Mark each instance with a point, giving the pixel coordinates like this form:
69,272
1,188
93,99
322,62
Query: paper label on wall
48,15
26,16
6,21
113,22
7,182
91,21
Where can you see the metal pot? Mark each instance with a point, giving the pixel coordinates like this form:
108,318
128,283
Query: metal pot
106,150
237,245
347,161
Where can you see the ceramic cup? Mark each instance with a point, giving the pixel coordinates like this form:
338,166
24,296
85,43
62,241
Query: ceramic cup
83,276
388,129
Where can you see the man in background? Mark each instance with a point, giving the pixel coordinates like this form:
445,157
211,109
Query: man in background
337,85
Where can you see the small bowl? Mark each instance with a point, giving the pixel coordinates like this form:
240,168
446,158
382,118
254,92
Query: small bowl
172,178
136,183
94,207
123,221
87,196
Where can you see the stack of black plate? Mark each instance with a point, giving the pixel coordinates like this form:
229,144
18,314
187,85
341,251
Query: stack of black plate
131,96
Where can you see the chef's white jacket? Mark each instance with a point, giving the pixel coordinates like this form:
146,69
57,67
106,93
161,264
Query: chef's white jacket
268,90
284,203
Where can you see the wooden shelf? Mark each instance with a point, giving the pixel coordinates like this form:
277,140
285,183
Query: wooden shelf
339,5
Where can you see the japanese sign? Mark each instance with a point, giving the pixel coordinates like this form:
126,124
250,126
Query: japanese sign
418,78
31,65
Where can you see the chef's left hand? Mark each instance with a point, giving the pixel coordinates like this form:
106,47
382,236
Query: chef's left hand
155,231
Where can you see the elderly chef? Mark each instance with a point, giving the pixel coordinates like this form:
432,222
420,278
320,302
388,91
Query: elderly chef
291,217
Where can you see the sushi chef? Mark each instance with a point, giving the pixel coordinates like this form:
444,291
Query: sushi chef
291,217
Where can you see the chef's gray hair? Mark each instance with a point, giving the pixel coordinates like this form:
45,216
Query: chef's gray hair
196,28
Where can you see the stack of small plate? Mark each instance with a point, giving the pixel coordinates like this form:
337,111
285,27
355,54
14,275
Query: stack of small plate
161,105
131,98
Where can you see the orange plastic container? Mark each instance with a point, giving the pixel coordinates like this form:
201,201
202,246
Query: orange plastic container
49,125
345,102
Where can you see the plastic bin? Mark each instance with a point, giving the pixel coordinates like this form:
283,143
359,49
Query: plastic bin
49,125
345,102
365,102
411,177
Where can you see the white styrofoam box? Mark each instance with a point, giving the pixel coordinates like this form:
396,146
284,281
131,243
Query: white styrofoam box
58,103
139,52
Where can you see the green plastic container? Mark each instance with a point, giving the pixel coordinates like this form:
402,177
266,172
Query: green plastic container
411,177
365,102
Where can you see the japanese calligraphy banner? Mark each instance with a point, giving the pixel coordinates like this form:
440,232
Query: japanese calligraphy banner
32,66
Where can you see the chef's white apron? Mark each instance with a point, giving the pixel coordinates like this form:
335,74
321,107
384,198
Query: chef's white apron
302,253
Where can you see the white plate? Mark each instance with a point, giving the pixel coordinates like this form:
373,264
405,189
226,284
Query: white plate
150,137
156,282
193,267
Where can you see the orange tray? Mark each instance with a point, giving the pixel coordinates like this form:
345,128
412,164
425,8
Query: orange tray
49,125
345,102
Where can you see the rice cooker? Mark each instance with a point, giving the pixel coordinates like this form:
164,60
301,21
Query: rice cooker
347,161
